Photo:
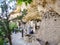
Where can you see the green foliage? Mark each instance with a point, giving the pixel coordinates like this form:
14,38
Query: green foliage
19,2
24,12
11,0
1,41
20,17
2,33
2,29
12,25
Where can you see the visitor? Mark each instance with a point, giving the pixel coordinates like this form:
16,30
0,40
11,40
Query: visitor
22,32
31,32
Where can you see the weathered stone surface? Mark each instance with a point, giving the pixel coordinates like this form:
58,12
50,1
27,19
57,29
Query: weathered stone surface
50,29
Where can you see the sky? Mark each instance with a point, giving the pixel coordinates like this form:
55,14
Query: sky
0,4
1,1
11,5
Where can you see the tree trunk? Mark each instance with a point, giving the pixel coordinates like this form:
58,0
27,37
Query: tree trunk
10,41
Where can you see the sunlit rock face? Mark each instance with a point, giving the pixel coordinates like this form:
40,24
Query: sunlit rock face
37,6
50,25
54,4
15,13
50,28
32,16
57,7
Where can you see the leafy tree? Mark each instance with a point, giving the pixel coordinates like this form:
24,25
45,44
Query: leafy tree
19,2
1,41
24,12
5,25
12,25
5,30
